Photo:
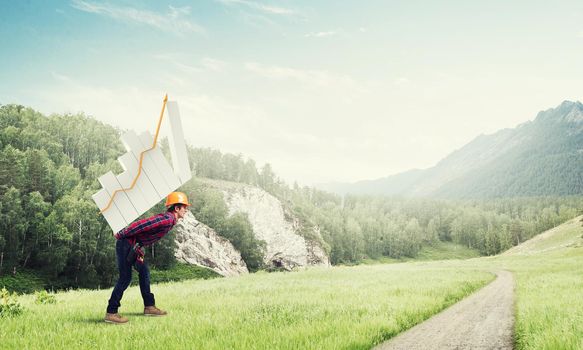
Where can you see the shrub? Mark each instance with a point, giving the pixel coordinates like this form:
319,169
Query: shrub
179,272
23,282
44,297
239,231
9,305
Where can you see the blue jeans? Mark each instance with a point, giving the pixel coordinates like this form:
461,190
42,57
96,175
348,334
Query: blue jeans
122,249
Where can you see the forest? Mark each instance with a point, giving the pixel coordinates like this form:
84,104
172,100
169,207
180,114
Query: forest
50,226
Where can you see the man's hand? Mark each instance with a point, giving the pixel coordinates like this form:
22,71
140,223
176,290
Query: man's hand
117,236
136,254
140,254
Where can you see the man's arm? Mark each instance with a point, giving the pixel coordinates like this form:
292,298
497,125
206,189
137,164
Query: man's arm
135,228
152,223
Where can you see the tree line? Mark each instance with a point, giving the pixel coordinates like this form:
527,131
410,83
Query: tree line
367,227
48,171
49,167
353,227
48,222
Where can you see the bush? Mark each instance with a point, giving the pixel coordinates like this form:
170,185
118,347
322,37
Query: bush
44,297
208,206
179,272
239,231
24,281
9,305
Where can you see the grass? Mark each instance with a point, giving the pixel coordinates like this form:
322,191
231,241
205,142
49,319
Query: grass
446,251
549,284
344,307
435,251
559,238
549,312
29,281
548,273
178,272
338,308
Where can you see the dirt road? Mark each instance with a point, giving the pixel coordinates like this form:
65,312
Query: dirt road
483,320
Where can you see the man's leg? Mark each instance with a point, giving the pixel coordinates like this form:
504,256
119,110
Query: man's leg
149,302
144,274
122,248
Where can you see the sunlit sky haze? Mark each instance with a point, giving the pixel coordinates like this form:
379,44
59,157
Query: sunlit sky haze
323,90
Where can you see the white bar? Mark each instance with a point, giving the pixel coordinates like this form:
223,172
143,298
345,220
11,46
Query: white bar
131,164
133,143
168,175
112,215
177,144
134,195
109,183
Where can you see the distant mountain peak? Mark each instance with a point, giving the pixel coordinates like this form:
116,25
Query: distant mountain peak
575,115
537,158
570,104
567,111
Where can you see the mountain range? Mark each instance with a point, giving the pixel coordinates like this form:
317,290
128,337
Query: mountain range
537,158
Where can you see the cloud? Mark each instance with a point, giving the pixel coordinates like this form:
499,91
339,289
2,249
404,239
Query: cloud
173,21
134,107
402,81
205,64
272,10
213,64
258,15
61,77
309,77
320,34
329,33
177,61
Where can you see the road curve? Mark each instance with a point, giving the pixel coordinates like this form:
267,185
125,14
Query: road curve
484,320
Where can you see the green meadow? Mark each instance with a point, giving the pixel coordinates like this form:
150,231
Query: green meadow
548,275
344,307
549,285
353,307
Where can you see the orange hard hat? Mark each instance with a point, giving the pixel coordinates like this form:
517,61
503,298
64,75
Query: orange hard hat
176,198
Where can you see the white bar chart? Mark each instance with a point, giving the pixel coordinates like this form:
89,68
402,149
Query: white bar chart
119,202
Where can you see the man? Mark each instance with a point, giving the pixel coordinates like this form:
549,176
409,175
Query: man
128,250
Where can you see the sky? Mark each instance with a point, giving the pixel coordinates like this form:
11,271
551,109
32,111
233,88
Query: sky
324,91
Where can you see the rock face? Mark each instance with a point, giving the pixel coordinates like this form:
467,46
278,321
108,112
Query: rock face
316,254
200,245
285,247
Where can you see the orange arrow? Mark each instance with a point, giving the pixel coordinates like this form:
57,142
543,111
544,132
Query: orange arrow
141,158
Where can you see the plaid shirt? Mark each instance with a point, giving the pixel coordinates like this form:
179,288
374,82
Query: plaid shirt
148,231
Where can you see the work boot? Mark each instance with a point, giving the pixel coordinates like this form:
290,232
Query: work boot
115,318
153,311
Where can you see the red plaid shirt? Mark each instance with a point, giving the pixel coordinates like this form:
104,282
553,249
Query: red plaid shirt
148,231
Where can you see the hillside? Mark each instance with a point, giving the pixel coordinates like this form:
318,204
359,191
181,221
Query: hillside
548,270
538,158
567,235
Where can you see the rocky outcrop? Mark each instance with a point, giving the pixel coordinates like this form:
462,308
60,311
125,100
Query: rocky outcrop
316,254
285,248
200,245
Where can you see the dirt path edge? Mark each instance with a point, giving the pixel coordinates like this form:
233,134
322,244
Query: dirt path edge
483,320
